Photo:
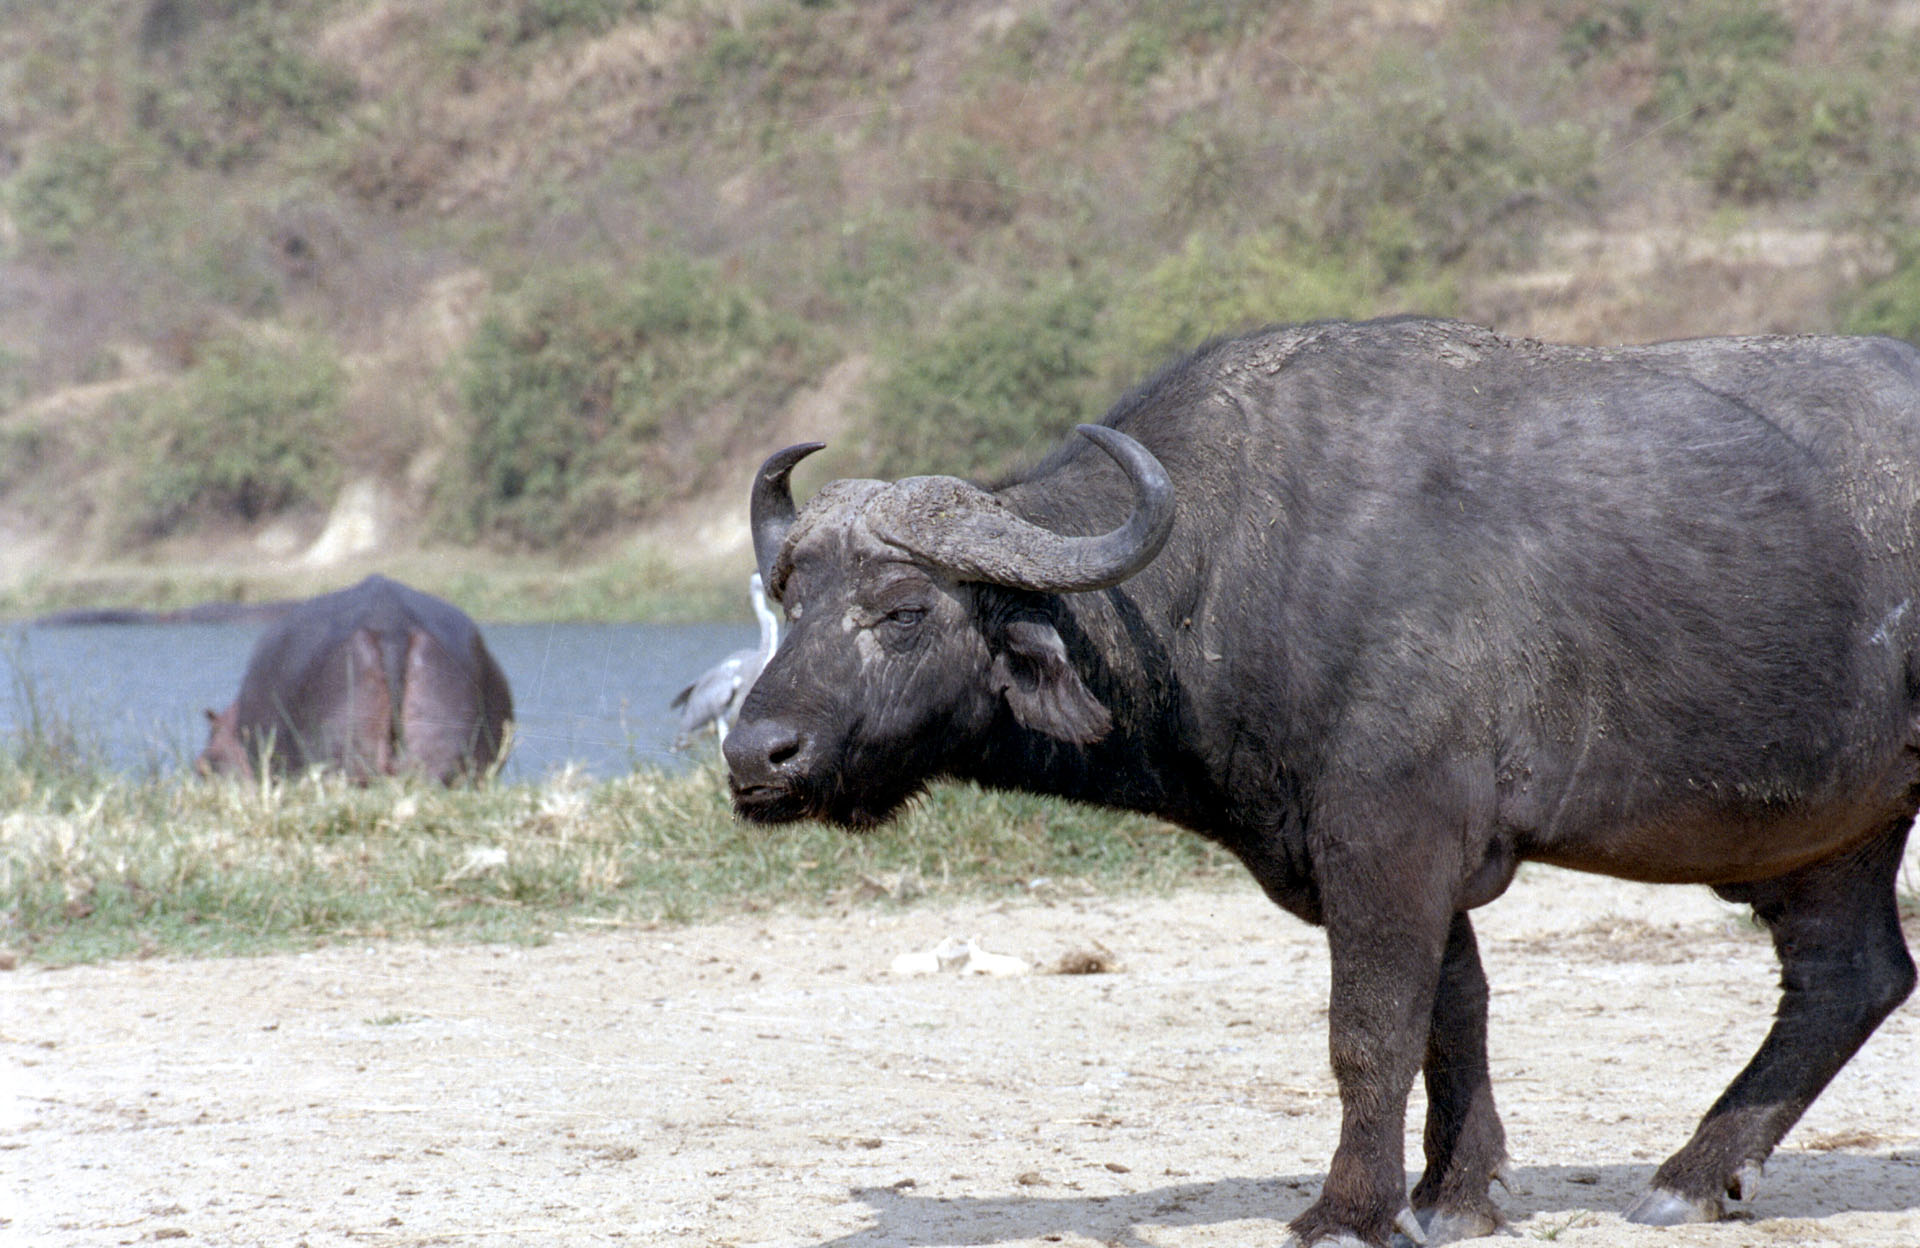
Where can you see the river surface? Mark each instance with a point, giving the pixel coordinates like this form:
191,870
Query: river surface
592,695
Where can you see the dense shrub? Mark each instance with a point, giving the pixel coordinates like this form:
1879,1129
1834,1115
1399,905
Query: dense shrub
591,397
238,88
1705,49
476,27
22,452
1760,125
1005,377
249,433
1214,286
64,191
1890,305
1785,133
1001,378
1455,169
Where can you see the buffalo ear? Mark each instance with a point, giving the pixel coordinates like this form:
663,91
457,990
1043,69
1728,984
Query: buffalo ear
1043,690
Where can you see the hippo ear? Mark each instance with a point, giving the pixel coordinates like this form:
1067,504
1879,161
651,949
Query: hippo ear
1042,689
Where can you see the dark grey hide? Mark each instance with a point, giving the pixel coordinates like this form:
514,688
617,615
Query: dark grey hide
375,679
1432,603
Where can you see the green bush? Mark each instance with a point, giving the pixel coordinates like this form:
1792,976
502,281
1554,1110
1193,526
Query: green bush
878,268
249,433
1785,133
1003,377
23,452
1706,49
1890,305
483,25
593,398
1427,138
240,90
1604,30
65,191
1214,286
1760,126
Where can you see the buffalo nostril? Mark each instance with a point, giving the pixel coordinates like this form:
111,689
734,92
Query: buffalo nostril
784,748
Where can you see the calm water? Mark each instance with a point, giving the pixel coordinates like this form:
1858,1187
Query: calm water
591,694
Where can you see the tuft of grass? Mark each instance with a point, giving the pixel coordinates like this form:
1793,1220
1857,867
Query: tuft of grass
95,865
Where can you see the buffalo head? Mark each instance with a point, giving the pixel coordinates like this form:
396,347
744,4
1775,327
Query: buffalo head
921,613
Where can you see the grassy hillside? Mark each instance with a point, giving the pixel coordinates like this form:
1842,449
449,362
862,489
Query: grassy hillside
509,299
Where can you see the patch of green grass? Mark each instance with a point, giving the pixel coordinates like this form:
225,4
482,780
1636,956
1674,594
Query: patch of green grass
94,865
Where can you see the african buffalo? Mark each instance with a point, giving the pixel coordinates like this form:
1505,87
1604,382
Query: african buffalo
376,679
1387,609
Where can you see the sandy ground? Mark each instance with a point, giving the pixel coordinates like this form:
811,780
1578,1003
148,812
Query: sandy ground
771,1081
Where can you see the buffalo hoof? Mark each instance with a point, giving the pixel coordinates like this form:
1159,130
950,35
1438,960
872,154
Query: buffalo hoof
1449,1226
1408,1230
1659,1207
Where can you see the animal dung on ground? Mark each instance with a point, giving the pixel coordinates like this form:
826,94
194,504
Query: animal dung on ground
1095,960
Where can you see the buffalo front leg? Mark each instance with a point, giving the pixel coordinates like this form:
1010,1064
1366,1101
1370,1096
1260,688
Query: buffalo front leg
1386,949
1844,966
1466,1146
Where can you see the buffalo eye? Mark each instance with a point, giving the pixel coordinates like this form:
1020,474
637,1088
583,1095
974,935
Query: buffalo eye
905,619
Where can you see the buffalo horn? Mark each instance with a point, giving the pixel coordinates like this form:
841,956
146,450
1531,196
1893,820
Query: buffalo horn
972,534
770,510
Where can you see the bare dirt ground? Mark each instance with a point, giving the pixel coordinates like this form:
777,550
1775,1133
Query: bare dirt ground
769,1080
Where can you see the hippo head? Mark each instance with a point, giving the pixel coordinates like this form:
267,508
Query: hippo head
225,754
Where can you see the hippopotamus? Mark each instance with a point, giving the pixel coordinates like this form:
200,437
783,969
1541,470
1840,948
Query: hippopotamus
377,679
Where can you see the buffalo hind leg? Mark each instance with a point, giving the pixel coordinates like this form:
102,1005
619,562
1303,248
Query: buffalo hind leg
1844,966
1466,1146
